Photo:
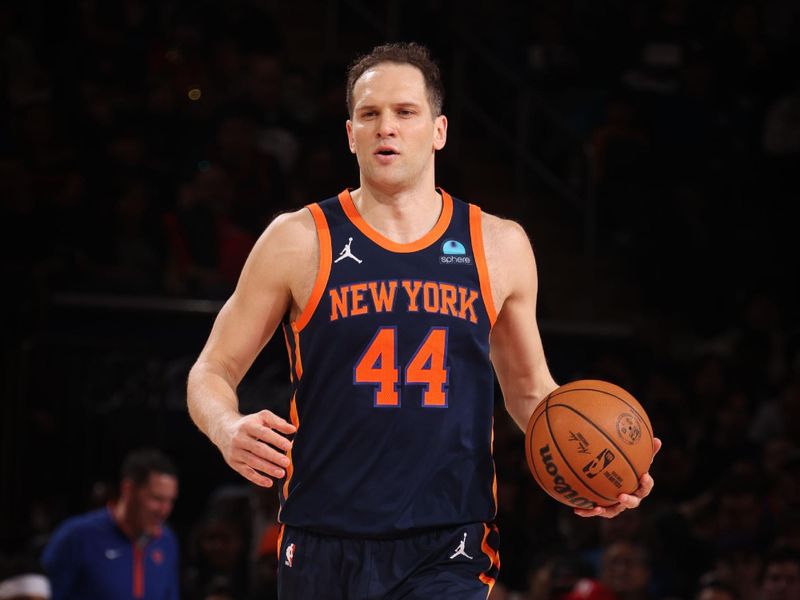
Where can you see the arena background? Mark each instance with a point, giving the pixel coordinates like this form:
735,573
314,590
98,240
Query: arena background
650,149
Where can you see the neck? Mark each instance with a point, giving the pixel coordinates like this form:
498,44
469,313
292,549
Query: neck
402,217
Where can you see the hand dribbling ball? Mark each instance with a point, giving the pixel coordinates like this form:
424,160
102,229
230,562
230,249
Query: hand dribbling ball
588,442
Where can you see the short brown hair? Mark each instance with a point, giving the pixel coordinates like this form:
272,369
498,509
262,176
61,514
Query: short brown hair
139,464
409,53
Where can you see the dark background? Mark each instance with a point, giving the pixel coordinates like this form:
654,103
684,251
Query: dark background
650,149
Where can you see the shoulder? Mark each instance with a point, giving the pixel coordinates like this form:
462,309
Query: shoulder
287,239
86,522
77,530
291,227
509,254
503,235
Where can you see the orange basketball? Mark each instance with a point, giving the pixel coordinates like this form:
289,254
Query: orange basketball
588,442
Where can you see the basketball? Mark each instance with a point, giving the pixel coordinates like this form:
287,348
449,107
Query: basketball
587,442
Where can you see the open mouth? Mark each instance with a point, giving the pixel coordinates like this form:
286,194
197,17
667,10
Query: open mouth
386,152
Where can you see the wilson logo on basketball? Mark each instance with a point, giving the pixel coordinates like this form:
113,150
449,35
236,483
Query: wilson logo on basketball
561,486
629,428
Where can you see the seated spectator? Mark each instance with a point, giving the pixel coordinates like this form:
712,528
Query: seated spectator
781,579
625,569
218,558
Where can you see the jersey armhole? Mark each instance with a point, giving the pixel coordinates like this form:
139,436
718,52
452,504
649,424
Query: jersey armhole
323,271
476,236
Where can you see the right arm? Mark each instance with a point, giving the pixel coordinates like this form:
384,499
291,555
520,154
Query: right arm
253,445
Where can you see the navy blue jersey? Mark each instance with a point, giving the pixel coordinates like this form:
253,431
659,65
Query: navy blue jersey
89,556
392,384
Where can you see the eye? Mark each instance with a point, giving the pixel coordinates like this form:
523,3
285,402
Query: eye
404,112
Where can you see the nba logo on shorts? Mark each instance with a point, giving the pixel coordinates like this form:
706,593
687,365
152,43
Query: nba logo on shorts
289,555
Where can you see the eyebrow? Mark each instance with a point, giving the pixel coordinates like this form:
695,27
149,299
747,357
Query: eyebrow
406,104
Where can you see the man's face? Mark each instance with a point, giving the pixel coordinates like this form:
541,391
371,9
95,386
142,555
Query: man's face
393,132
623,570
782,581
151,504
714,594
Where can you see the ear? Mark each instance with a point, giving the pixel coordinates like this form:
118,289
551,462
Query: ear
439,132
350,139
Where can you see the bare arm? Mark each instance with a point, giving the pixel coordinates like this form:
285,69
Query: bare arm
251,444
516,346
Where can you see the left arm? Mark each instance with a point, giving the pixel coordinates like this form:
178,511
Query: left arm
516,346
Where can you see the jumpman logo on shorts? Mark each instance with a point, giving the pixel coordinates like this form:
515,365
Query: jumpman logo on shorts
460,548
346,253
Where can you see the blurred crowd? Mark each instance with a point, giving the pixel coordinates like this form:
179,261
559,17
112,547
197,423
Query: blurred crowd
144,147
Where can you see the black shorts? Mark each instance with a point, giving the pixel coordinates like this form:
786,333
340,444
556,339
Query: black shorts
449,563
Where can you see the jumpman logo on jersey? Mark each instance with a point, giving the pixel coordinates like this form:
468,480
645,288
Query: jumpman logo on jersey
346,253
460,548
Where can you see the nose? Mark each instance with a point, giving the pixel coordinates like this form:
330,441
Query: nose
387,125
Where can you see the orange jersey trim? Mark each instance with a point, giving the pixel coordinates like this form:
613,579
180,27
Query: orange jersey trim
280,541
289,352
494,476
138,571
298,362
295,420
476,233
349,207
492,554
324,270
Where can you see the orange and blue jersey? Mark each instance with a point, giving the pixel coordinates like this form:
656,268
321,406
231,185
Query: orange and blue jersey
392,384
89,556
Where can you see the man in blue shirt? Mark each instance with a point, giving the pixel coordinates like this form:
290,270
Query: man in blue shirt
124,550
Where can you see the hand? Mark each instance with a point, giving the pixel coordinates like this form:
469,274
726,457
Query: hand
626,501
253,446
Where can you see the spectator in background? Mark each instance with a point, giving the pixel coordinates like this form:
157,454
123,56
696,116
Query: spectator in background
714,589
738,569
258,183
589,589
625,569
781,579
739,511
21,579
125,549
556,576
29,586
206,247
265,571
218,558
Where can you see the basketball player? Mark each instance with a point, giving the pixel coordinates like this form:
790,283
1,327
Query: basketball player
390,297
